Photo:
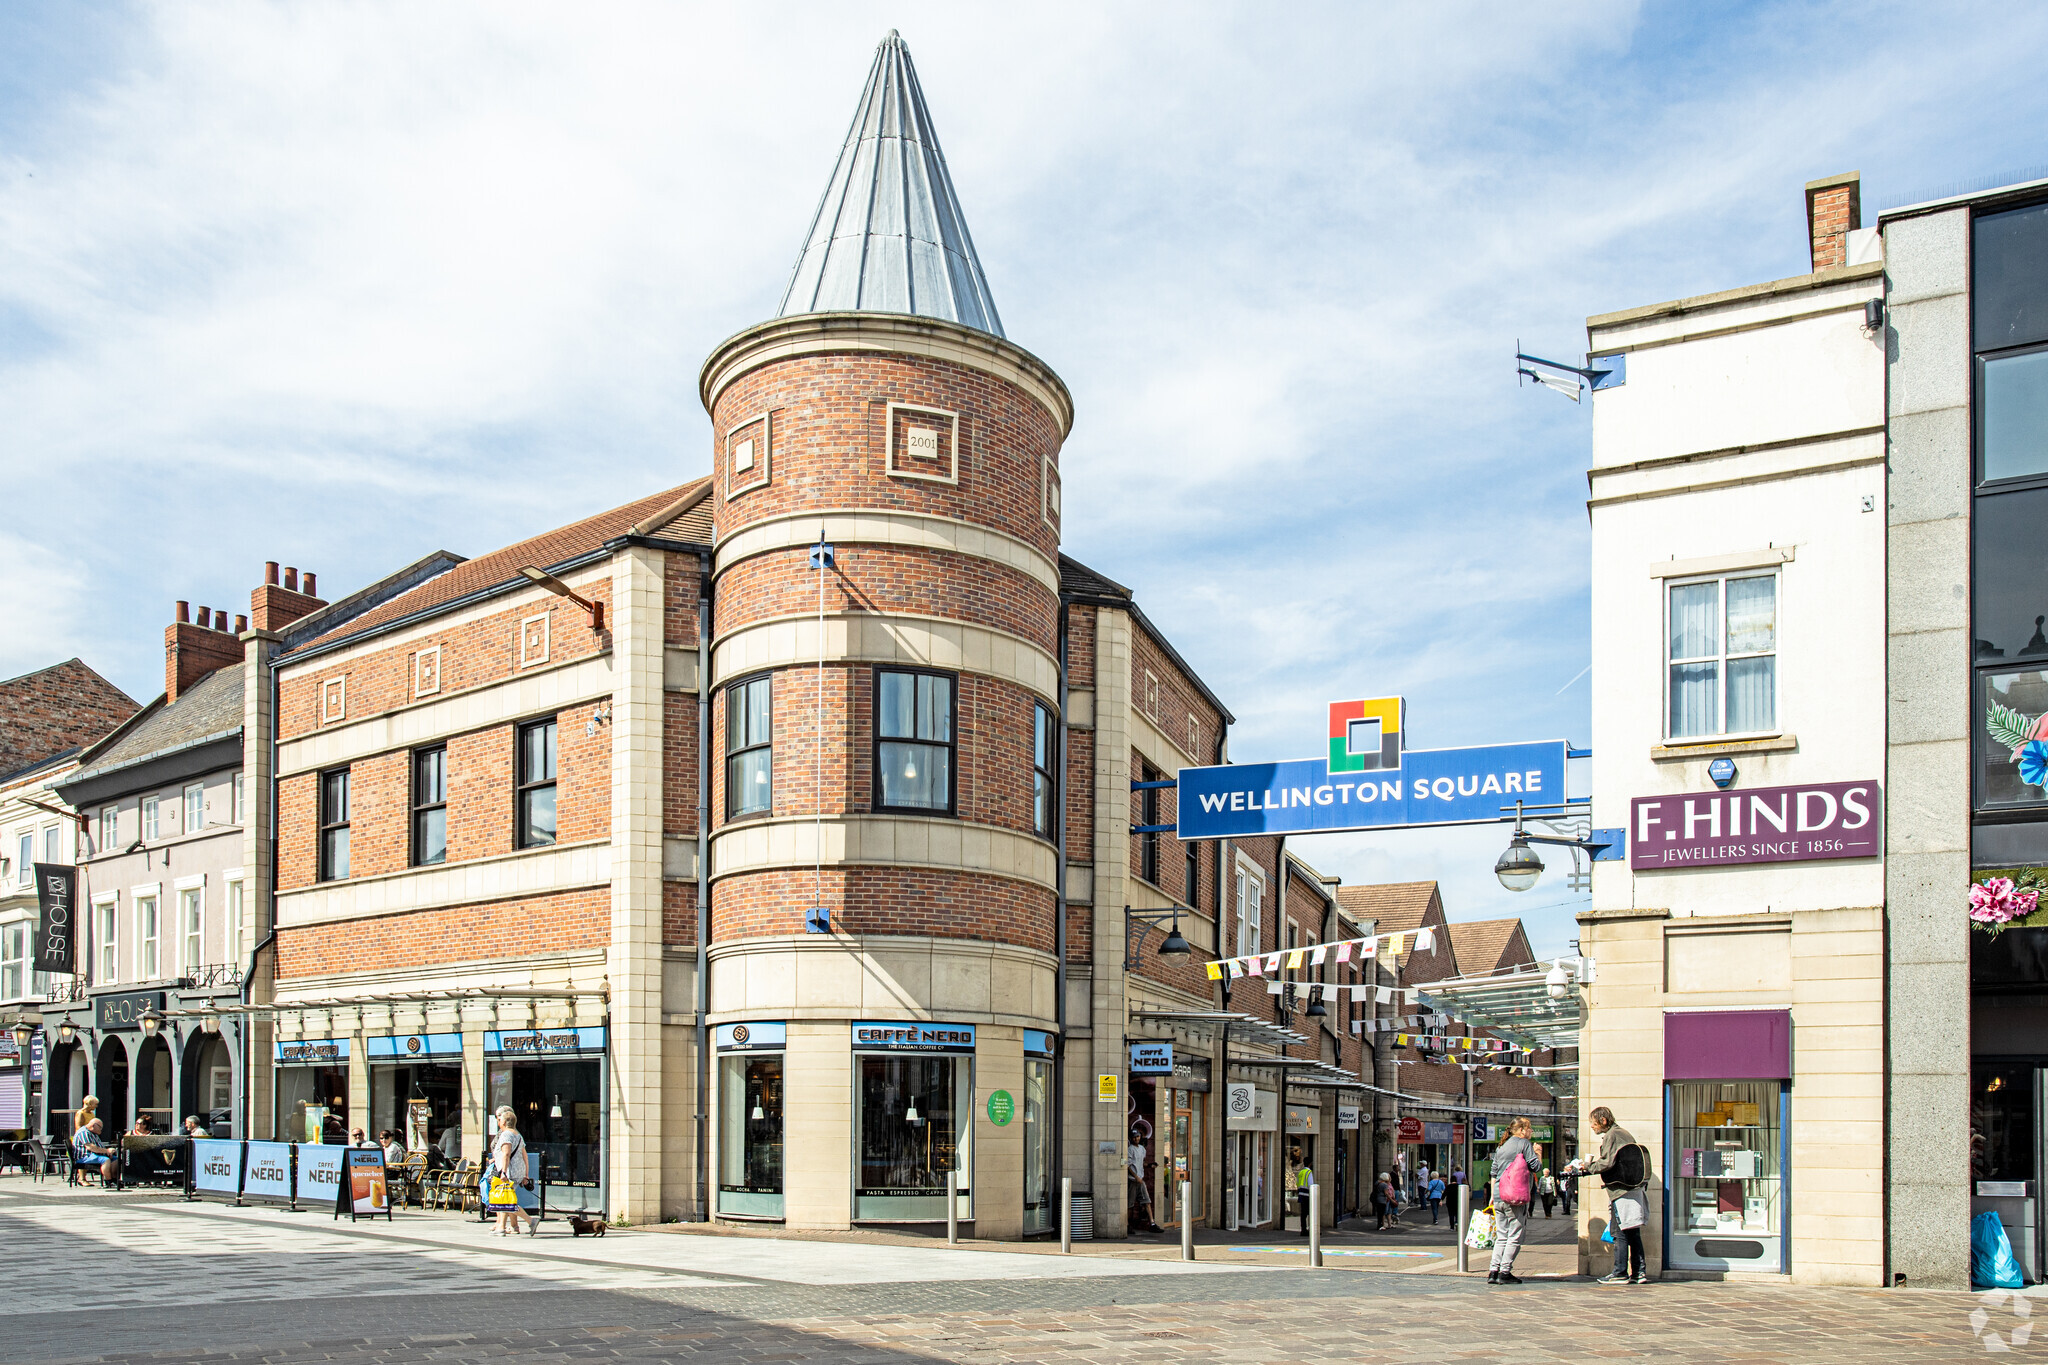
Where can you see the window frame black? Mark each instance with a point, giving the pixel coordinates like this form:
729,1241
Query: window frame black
876,740
522,785
767,676
1049,771
1148,814
325,826
420,809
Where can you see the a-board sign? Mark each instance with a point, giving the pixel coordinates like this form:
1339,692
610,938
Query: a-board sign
267,1171
364,1192
217,1167
319,1173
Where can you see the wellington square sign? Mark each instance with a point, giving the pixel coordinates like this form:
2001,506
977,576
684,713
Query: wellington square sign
1368,781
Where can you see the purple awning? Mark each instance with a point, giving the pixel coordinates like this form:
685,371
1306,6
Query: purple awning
1728,1045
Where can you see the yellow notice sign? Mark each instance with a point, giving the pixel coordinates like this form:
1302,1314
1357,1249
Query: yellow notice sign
1105,1088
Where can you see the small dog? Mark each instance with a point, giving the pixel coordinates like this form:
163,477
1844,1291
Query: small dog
579,1225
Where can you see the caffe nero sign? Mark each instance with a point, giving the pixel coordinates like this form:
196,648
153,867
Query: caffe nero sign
1760,825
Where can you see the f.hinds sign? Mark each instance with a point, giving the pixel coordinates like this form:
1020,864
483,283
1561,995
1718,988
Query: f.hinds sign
1762,825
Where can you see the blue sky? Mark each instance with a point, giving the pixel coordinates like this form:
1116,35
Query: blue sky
340,285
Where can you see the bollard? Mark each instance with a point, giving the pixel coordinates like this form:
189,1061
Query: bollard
1066,1214
1187,1224
1458,1226
1315,1223
952,1207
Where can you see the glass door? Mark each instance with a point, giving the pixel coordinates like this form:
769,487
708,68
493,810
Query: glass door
1725,1168
750,1135
1038,1181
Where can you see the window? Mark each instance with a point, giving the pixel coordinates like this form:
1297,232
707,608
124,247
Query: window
1194,738
334,826
151,827
914,741
53,844
14,970
192,928
430,807
1044,749
25,861
1722,680
235,918
195,807
241,799
1251,895
749,747
104,963
148,937
536,794
110,828
1148,815
1151,694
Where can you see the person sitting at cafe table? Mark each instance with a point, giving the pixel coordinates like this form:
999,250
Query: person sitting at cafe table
89,1152
394,1150
143,1127
193,1127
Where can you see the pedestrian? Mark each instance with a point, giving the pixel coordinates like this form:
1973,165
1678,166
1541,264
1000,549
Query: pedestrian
508,1171
1301,1178
1383,1200
1141,1189
1546,1185
1436,1197
1568,1190
1514,1183
1623,1166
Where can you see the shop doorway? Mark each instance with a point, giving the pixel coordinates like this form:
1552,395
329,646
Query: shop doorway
206,1087
1252,1159
560,1104
110,1083
419,1103
1180,1155
1141,1173
153,1094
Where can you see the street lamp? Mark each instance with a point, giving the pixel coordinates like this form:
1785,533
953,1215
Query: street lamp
23,1032
1175,943
210,1024
151,1022
67,1032
1315,1008
1519,867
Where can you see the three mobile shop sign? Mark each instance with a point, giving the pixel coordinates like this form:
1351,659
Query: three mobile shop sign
1368,781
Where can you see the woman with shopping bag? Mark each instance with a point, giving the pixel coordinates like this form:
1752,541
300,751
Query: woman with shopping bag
509,1181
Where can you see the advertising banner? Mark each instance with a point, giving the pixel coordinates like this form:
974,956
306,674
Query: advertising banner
56,940
1347,1118
1758,825
1479,1129
267,1171
914,1037
319,1173
1437,1133
1249,1109
366,1193
217,1167
414,1047
755,1037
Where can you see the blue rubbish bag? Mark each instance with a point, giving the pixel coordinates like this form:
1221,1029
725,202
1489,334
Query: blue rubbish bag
1991,1262
1607,1234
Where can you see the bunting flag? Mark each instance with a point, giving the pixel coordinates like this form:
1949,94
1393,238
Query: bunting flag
1236,968
1272,962
1274,985
1383,994
1344,952
1254,966
1318,954
1425,940
1216,971
1368,949
1294,959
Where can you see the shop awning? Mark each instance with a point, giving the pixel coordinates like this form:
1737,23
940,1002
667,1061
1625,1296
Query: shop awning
1518,1005
1243,1028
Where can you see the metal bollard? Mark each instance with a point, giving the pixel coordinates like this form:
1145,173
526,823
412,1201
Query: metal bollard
952,1207
1066,1214
1315,1223
1187,1224
1458,1227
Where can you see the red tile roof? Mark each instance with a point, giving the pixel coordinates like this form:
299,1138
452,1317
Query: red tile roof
680,513
1392,907
1487,945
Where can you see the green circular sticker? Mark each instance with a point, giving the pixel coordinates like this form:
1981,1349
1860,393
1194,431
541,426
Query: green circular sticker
1000,1108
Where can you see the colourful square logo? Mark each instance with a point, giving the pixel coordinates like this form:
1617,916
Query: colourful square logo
1365,735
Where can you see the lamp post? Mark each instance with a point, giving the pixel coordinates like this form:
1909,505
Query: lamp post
1519,868
1135,924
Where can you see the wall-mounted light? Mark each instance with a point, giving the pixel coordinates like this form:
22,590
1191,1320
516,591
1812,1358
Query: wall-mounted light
561,589
151,1022
67,1032
1519,867
210,1024
24,1032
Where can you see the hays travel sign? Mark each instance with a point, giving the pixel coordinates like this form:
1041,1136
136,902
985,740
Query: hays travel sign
1369,781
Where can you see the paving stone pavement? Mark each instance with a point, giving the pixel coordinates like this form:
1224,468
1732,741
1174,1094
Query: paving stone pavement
214,1289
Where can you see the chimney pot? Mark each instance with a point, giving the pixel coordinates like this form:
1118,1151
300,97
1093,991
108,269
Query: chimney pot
270,572
241,624
309,584
291,579
206,618
184,612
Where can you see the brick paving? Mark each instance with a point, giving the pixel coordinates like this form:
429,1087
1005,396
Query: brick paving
120,1267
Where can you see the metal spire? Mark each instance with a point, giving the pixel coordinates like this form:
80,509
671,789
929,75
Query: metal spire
888,236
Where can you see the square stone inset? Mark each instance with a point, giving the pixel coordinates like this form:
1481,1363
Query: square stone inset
923,443
748,450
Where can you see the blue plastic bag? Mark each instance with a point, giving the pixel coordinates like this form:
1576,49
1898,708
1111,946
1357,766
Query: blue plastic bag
1607,1234
1991,1262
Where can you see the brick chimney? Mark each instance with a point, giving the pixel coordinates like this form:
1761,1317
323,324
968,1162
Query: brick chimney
276,605
191,651
1834,209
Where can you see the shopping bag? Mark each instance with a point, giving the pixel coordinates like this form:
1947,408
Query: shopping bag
1479,1232
501,1193
1991,1262
1607,1234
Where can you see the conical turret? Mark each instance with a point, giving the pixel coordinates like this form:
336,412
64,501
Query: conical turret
888,236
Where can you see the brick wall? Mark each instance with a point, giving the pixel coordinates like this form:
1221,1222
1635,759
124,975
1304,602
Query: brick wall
462,933
1169,699
885,900
62,707
889,580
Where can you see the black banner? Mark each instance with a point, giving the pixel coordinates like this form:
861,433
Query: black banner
56,946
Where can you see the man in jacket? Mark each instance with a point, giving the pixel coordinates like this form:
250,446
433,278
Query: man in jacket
1628,1204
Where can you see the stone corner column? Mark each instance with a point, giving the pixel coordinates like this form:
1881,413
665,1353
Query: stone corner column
1107,1014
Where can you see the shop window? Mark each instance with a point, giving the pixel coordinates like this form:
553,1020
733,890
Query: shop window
2009,278
1038,1181
536,791
2012,747
914,741
1726,1171
750,1135
914,1125
430,806
2012,415
312,1104
334,826
559,1103
749,747
1044,752
1721,657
